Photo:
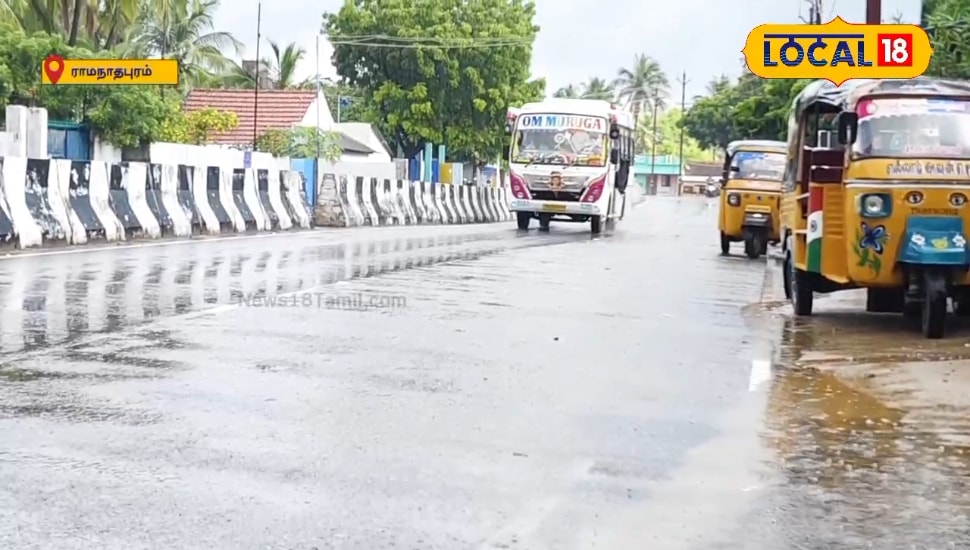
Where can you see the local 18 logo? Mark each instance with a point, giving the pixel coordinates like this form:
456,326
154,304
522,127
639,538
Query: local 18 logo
837,51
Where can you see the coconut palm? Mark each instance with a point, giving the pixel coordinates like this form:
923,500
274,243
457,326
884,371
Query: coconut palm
277,72
718,85
643,86
186,34
569,92
95,25
282,66
597,88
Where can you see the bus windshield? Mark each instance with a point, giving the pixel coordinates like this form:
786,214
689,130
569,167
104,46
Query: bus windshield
561,140
914,128
751,165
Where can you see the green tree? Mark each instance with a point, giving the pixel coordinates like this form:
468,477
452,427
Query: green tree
644,86
186,32
442,71
123,115
93,25
571,91
300,142
597,88
197,127
750,108
358,106
283,65
948,24
668,137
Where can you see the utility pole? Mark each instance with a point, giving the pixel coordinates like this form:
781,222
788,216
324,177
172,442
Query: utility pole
683,112
873,12
814,12
653,147
320,101
259,38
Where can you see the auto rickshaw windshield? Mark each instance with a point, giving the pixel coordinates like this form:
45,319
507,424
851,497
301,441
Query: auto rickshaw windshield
751,165
916,128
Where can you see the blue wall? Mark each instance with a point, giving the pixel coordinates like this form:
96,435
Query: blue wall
68,140
308,168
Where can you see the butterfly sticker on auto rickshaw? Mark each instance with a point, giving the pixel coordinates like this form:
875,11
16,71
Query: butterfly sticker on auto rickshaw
870,243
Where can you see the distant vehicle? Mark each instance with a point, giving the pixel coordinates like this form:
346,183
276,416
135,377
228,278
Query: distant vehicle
570,160
713,188
751,195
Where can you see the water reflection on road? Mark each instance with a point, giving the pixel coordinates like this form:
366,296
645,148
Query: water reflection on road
847,451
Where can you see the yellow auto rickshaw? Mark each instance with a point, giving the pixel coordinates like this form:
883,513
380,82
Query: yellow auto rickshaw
750,195
876,196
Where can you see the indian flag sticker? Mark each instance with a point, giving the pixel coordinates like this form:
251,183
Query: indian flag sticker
814,236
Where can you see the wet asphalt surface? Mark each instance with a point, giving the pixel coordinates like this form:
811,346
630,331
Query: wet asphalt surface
467,387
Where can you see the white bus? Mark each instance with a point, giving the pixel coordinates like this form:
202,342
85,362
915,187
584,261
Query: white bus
570,160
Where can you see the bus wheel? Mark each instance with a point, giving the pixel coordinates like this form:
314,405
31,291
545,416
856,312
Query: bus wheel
523,219
594,224
934,304
544,221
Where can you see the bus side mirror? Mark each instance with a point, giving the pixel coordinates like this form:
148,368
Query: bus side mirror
614,131
848,124
506,152
614,156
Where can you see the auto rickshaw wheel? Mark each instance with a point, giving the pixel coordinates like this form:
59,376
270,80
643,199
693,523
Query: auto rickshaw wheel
802,292
885,300
754,241
725,244
934,304
786,276
523,219
595,224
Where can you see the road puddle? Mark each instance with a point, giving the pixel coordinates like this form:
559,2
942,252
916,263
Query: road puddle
871,430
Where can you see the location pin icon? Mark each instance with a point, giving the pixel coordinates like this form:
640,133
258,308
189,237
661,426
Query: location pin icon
54,67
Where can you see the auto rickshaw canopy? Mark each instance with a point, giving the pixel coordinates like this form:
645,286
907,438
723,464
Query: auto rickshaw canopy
756,145
824,97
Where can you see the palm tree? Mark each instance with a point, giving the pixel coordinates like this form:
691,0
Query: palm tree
643,86
569,92
718,85
96,25
597,88
282,66
187,34
277,72
243,75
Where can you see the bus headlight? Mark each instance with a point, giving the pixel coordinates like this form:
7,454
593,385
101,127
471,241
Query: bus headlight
734,199
875,205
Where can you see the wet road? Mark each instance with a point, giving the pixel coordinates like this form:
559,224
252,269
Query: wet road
463,387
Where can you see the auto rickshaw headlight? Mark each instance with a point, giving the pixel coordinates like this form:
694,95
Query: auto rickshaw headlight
734,199
958,199
875,205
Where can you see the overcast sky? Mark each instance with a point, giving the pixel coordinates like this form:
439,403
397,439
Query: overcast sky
581,39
